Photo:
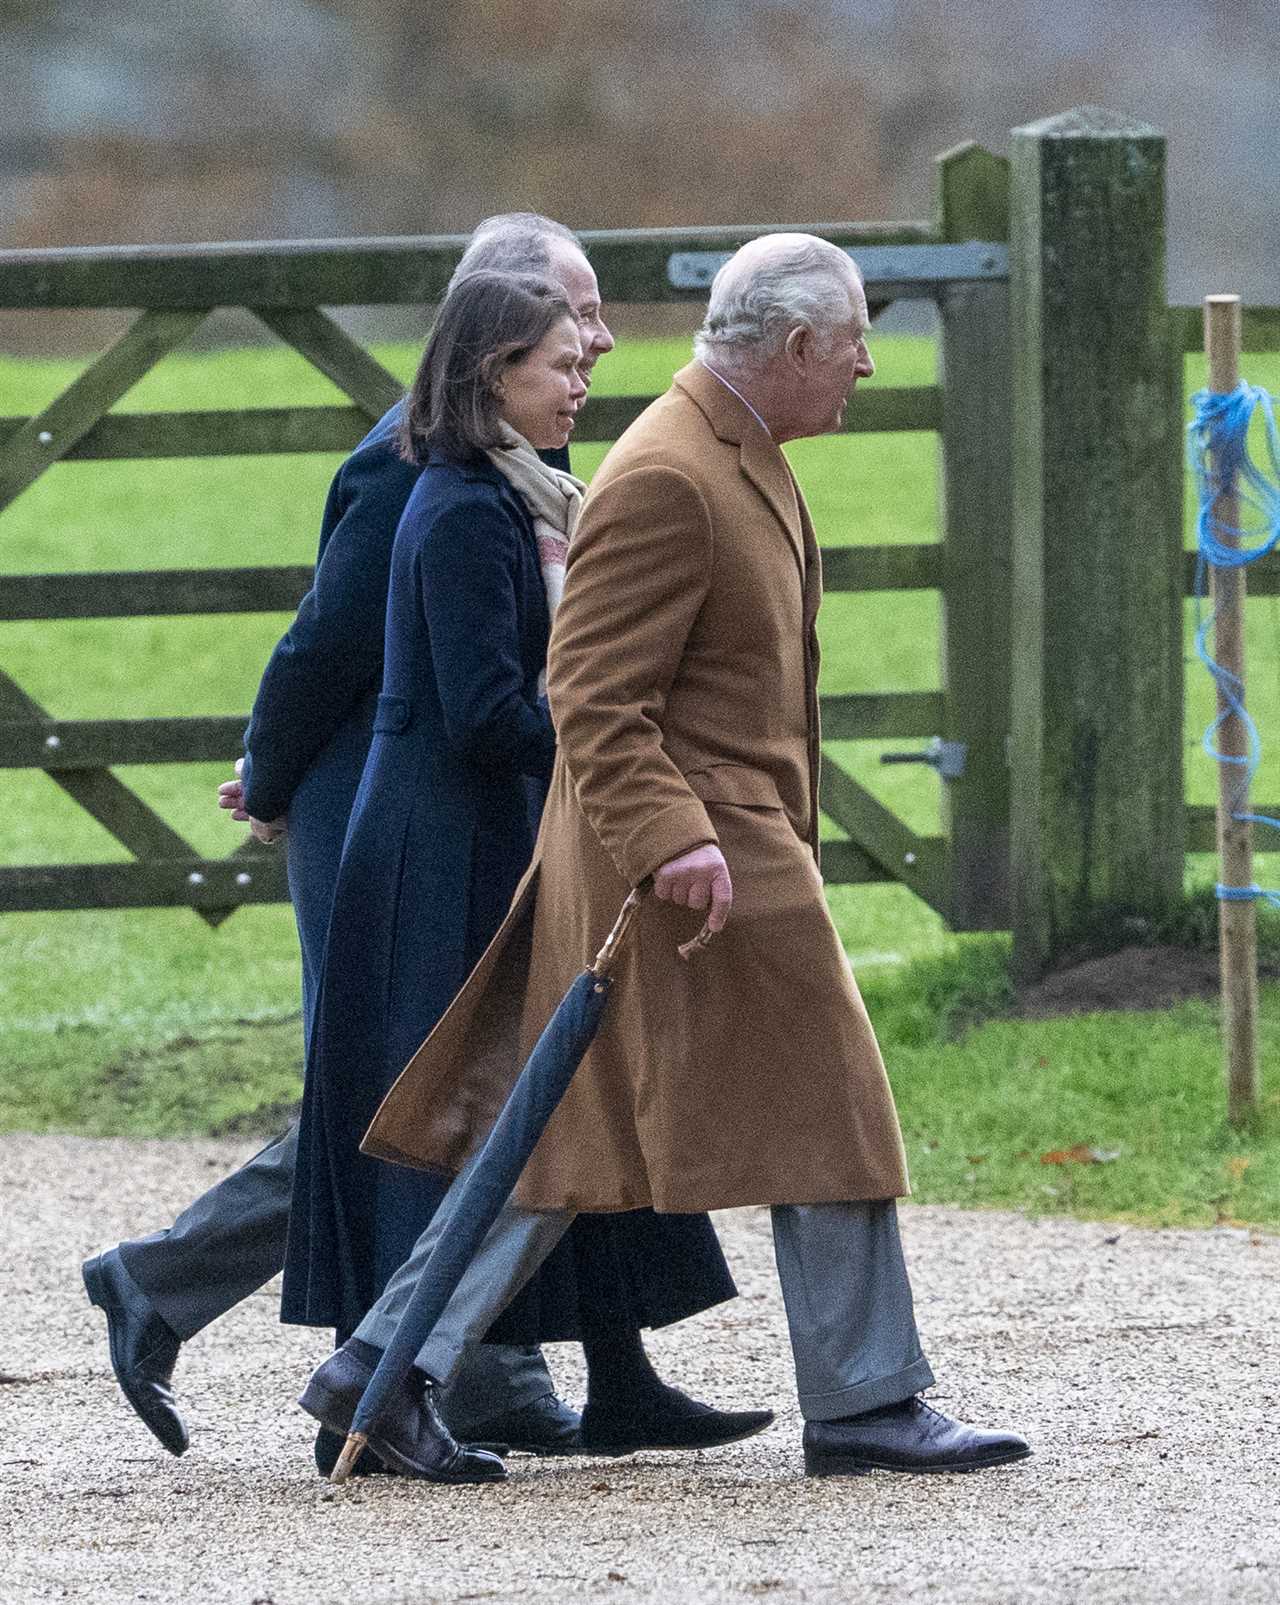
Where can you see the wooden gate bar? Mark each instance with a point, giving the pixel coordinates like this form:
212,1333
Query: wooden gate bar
917,861
213,888
871,716
284,431
42,440
144,593
219,432
344,361
62,744
107,800
147,593
406,270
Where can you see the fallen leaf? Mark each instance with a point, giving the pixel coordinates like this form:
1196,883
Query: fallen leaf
617,1577
601,1488
976,1159
1237,1166
1080,1154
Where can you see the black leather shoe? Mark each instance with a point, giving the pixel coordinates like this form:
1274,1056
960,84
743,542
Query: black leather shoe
909,1436
546,1427
684,1424
409,1435
144,1348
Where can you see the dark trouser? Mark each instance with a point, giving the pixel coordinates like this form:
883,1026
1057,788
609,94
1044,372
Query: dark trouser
231,1241
844,1285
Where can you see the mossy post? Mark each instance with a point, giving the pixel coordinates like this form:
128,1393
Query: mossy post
973,204
1097,813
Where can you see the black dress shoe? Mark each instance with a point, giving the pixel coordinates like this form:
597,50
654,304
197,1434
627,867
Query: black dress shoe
909,1436
546,1427
677,1422
144,1348
409,1436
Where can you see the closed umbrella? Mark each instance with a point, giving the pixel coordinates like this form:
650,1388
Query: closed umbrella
533,1099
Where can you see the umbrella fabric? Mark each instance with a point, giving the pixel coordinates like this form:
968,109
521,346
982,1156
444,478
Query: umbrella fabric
533,1100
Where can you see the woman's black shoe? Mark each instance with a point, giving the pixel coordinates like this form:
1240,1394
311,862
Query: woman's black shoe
674,1421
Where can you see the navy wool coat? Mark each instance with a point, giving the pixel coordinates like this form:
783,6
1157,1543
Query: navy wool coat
312,721
441,831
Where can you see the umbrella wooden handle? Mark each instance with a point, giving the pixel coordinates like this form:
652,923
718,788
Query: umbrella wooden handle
695,944
605,957
346,1462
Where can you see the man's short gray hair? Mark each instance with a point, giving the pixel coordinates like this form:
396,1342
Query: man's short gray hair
802,281
512,242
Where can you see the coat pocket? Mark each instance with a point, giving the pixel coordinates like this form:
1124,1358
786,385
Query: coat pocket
734,783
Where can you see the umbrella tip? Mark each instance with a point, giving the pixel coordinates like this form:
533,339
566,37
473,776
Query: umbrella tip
346,1461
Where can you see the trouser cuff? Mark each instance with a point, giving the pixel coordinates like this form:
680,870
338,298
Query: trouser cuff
871,1395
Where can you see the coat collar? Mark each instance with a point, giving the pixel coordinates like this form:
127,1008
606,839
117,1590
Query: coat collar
760,459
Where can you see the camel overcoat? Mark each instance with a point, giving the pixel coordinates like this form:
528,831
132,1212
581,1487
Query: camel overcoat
683,684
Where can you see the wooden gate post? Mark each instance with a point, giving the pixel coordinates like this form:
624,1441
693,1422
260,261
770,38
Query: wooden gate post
973,204
1097,810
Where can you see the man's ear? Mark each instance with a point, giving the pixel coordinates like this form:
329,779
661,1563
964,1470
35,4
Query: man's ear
799,346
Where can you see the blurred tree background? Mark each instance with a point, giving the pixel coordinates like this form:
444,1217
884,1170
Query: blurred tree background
150,120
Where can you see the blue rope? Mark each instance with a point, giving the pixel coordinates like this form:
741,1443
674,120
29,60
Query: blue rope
1218,450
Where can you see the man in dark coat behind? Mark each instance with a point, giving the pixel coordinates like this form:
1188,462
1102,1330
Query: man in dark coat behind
305,751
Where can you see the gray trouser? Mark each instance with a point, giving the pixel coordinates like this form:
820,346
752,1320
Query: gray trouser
231,1241
844,1285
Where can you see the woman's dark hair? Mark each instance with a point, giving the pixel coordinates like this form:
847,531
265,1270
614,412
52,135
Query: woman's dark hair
487,321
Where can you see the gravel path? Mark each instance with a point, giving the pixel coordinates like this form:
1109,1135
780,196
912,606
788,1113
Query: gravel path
1143,1366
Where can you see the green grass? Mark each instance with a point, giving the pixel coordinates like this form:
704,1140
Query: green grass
149,1022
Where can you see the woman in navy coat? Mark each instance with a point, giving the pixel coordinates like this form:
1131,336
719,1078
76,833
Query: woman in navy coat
442,830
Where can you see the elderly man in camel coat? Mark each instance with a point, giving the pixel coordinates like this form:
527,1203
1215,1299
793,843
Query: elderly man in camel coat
683,684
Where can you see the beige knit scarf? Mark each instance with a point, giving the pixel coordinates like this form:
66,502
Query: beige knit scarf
554,500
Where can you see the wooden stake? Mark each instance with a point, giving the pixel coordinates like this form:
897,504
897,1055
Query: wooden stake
1237,921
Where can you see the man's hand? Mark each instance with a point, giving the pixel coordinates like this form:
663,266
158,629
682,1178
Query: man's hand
231,795
695,880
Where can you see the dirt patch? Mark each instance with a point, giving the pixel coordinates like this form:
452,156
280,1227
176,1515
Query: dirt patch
1132,978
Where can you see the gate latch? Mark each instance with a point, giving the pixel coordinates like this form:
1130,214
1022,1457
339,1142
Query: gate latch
947,757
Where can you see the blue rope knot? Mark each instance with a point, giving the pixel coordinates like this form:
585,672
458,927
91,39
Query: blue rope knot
1218,451
1246,894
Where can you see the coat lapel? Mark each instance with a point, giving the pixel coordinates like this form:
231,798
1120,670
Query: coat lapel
761,461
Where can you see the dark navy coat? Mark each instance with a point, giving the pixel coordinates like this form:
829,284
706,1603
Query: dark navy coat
441,832
312,721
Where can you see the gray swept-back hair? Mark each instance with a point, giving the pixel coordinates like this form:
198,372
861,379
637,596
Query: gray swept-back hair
511,242
802,281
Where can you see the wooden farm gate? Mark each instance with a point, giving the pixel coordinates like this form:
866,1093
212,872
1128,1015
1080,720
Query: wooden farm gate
286,285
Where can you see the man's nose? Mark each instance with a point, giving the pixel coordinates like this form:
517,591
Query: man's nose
866,367
603,341
577,388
